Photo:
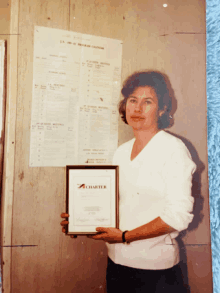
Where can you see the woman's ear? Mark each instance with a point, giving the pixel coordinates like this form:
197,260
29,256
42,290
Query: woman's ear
161,112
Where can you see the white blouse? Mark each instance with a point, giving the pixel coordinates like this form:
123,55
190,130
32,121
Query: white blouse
156,183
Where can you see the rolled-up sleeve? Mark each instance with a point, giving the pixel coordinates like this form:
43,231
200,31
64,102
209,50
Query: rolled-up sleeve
178,201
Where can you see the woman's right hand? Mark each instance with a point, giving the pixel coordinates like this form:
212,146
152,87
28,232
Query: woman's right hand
64,224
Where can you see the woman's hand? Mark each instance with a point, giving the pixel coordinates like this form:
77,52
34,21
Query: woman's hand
110,235
64,224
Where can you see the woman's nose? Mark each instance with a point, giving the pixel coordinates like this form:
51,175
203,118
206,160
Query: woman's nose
138,107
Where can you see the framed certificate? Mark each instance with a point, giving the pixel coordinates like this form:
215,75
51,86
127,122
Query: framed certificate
92,198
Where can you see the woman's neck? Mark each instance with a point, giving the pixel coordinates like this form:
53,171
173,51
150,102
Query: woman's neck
143,137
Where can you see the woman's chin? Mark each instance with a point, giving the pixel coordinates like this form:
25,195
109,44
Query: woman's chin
138,127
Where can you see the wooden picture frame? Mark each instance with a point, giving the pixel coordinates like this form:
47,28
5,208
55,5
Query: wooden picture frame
92,198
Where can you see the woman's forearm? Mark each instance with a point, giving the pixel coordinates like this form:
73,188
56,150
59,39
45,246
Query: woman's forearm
155,228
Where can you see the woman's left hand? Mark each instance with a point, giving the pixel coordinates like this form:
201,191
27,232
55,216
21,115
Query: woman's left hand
110,235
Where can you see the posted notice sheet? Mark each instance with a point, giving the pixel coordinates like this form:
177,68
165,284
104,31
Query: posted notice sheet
76,89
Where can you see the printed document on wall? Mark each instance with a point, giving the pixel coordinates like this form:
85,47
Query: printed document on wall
76,89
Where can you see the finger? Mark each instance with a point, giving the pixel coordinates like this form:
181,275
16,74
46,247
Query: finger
64,215
63,229
73,236
99,236
94,235
102,229
64,223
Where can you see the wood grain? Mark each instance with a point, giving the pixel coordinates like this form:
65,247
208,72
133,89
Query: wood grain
9,142
171,40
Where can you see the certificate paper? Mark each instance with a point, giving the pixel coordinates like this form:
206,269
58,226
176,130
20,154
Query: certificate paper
92,198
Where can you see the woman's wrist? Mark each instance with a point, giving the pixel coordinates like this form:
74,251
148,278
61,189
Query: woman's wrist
124,237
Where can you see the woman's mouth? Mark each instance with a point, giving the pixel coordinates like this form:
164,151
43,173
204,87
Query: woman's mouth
137,118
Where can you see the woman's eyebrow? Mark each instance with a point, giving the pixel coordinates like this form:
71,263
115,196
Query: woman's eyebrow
148,98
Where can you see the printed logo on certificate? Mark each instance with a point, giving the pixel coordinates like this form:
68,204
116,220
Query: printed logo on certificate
92,198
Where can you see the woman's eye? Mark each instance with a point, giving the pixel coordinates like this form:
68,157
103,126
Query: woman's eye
147,102
132,101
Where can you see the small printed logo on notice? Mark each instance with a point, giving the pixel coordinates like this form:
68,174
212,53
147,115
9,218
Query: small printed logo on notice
88,186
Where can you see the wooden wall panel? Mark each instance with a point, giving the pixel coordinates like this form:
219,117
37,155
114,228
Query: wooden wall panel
181,56
168,39
38,200
10,34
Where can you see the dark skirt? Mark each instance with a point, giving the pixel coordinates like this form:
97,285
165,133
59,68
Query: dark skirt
130,280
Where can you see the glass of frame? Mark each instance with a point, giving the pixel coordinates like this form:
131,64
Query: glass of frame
92,198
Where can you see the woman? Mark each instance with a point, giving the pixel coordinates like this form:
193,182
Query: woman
155,193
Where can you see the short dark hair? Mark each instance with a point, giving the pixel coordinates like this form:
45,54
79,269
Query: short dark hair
155,80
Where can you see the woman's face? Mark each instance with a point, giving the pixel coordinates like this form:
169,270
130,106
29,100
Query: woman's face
142,109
